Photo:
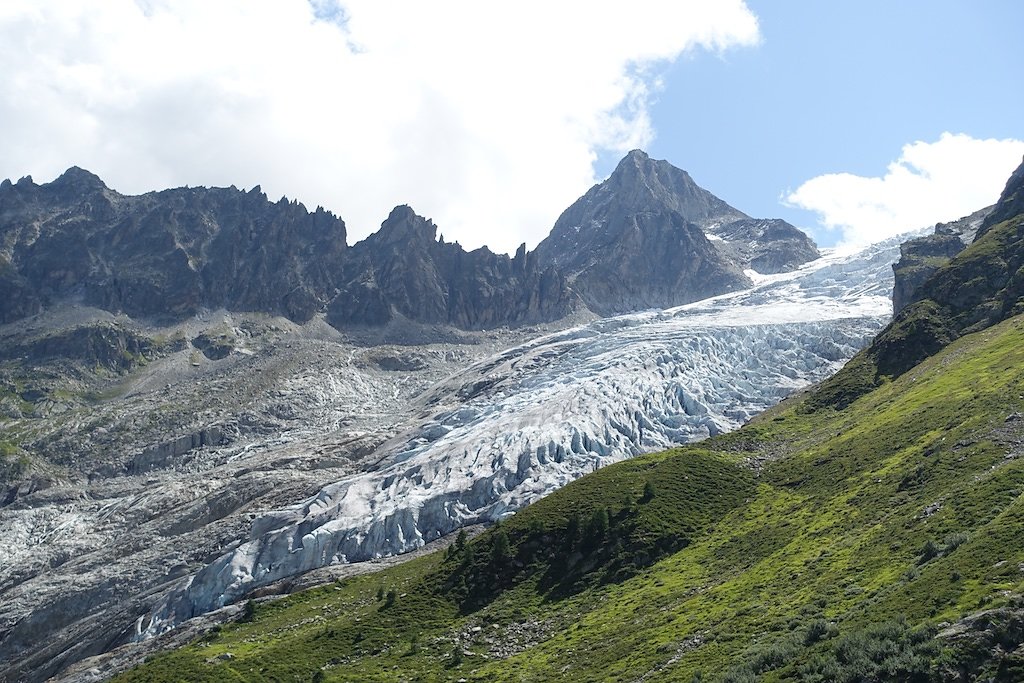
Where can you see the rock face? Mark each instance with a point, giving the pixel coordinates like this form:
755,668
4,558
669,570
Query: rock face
163,254
170,254
985,284
638,240
767,245
1010,204
404,270
921,257
635,241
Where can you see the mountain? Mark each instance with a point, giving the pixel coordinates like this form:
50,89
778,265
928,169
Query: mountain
189,372
405,270
876,539
169,255
189,480
163,254
650,237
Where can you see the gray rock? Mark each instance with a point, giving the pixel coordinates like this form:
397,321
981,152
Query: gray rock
766,245
640,240
404,271
922,256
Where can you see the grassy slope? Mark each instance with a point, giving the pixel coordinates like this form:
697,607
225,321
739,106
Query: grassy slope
868,527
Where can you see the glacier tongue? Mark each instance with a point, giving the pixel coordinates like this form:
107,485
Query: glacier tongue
512,428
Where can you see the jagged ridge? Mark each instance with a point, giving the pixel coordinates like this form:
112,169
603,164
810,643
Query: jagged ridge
170,254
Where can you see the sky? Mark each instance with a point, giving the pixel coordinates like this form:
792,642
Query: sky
854,120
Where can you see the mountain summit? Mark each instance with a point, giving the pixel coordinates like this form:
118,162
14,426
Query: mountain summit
650,237
640,183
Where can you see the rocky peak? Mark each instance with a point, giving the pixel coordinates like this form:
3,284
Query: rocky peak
641,183
636,240
402,273
403,226
164,254
77,181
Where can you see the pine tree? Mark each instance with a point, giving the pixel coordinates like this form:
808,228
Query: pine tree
500,552
572,529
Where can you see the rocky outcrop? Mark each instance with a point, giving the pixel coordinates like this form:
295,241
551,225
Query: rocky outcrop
919,259
160,455
1010,204
986,642
922,256
107,345
767,245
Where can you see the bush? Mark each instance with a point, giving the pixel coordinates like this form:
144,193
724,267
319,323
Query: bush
597,528
816,630
248,612
929,552
889,651
954,541
772,656
739,675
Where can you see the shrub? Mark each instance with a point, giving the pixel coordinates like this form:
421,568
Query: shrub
816,630
248,612
929,552
954,541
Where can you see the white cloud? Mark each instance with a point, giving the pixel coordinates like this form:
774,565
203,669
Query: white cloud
929,183
486,117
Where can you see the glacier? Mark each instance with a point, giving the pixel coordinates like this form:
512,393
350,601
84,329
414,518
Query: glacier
515,426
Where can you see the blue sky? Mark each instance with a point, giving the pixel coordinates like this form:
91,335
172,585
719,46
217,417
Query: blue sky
855,120
838,86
